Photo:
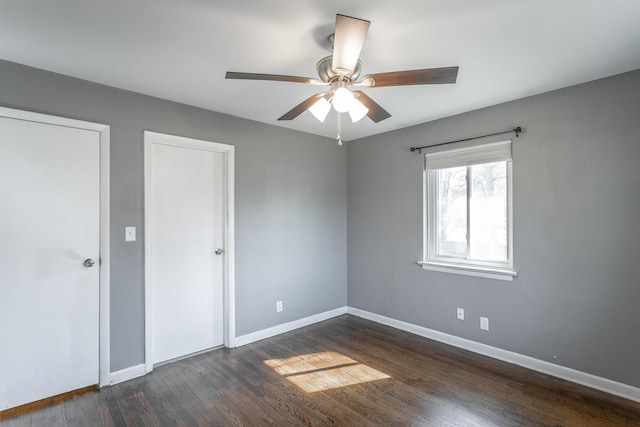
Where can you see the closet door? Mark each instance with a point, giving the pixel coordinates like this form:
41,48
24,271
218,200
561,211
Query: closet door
49,260
186,250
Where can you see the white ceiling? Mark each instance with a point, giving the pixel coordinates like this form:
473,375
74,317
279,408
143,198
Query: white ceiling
180,50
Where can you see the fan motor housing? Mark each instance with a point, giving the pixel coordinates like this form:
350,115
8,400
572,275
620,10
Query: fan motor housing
326,73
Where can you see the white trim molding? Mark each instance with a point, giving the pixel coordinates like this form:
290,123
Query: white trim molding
105,226
128,374
290,326
612,387
487,273
142,369
228,153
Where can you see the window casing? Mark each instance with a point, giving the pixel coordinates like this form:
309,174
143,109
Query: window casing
468,223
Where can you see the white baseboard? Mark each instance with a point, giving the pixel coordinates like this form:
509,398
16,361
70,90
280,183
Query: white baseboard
141,369
619,389
290,326
127,374
589,380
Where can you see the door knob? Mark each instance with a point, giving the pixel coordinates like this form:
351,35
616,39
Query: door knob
219,251
89,262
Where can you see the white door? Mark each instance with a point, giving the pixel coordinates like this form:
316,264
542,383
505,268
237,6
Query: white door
187,217
49,226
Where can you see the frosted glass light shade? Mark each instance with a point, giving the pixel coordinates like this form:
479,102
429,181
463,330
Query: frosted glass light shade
320,109
342,100
357,110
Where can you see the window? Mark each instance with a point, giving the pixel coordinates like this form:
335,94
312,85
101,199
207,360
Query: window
468,226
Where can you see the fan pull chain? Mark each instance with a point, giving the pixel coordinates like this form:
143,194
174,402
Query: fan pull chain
339,137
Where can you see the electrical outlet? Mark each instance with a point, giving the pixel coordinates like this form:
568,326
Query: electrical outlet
129,234
279,306
484,323
460,313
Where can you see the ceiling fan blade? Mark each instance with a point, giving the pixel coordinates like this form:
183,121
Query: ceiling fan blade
347,43
376,112
429,76
273,77
304,105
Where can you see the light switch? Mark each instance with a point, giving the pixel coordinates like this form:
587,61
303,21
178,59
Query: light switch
129,234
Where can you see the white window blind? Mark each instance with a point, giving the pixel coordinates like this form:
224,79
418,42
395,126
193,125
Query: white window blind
478,154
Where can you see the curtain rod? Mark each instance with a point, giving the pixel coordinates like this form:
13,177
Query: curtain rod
517,130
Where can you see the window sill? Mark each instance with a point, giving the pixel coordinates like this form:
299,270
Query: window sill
487,273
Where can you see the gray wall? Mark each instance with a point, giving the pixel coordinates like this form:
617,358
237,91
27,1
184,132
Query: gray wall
290,202
576,209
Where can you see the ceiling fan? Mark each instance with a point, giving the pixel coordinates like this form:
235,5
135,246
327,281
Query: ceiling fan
341,72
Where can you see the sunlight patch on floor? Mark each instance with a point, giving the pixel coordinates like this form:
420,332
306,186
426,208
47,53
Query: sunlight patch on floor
324,371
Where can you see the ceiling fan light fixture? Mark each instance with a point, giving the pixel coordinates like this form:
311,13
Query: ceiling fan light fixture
342,100
357,110
341,71
320,109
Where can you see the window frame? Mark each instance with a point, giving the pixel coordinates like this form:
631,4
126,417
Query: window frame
502,270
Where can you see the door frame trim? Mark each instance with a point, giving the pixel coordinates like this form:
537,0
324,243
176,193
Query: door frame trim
228,268
103,131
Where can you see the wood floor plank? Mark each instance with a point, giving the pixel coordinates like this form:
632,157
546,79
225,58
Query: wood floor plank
345,371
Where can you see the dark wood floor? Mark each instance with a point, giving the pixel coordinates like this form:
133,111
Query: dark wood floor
345,371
